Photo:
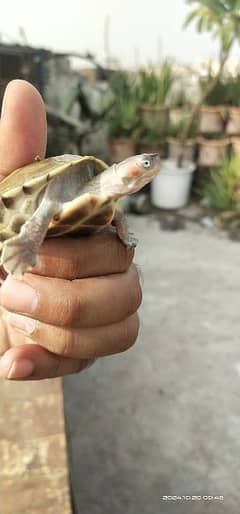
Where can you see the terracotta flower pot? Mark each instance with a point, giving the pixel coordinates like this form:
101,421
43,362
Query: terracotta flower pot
154,117
175,149
211,120
212,151
235,142
233,124
121,148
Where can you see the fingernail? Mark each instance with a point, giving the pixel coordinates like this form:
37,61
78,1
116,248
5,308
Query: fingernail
12,369
18,296
21,322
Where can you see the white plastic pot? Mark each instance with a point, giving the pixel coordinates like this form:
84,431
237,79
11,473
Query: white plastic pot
171,187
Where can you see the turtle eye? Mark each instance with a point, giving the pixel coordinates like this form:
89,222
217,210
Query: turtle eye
146,163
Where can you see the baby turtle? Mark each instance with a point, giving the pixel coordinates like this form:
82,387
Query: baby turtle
67,194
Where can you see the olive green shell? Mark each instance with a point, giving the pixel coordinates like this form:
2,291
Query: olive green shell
19,197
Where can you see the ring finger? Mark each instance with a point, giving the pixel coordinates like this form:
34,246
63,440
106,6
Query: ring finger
84,343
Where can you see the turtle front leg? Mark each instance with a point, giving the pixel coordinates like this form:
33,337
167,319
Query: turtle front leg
122,230
19,253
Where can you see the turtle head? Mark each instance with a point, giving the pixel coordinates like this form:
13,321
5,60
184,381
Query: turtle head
139,170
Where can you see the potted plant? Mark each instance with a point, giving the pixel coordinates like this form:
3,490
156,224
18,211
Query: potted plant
222,106
122,118
171,188
178,103
213,114
235,144
233,123
211,152
221,17
152,89
174,139
211,119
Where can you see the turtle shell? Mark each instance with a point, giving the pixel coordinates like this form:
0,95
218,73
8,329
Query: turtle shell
20,194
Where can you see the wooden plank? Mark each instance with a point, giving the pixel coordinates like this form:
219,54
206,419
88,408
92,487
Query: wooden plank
33,456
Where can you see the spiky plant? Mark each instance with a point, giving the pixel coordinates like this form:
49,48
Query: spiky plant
122,118
223,186
152,86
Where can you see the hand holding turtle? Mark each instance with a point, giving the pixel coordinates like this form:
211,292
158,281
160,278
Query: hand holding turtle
81,302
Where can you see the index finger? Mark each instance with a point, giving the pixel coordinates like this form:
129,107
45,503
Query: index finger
82,257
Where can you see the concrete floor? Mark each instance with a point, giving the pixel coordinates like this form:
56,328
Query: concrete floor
164,418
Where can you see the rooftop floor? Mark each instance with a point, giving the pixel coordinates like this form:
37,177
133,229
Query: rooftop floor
164,418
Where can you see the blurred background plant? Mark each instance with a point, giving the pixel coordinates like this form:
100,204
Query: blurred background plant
223,187
219,94
221,19
153,85
122,117
233,86
225,92
176,129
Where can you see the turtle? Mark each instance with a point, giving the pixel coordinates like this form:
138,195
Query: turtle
65,195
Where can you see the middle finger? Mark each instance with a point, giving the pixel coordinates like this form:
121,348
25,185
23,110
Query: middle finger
83,303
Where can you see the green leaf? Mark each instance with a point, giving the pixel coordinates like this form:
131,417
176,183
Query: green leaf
221,17
192,15
217,7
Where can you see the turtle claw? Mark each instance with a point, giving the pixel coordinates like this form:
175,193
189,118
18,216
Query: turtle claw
131,241
18,256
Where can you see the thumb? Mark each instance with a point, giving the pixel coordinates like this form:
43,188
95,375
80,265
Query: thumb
23,126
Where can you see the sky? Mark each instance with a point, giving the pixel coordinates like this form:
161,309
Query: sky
140,31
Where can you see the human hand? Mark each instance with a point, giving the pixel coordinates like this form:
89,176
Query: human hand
81,300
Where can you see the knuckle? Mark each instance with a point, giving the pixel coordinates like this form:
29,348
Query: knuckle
66,343
70,311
